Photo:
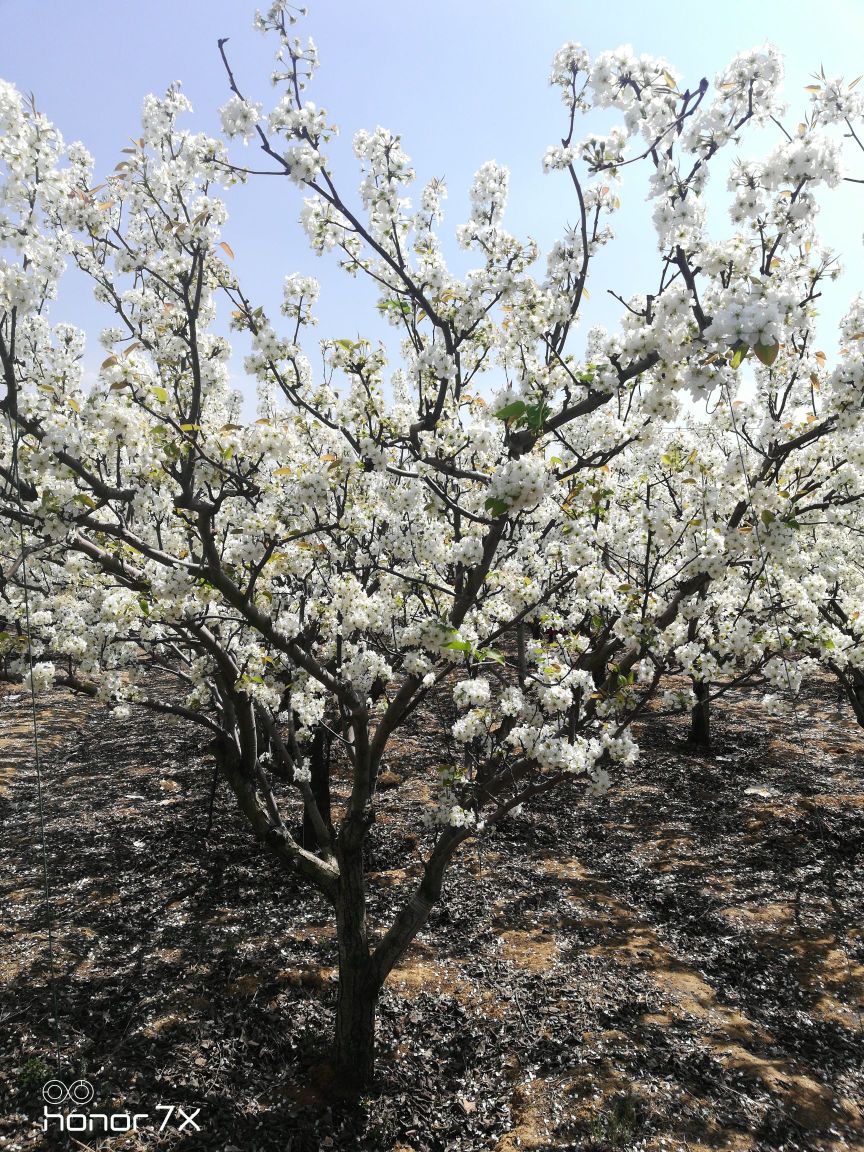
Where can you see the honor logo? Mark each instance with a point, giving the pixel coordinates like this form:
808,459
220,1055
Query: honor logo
81,1092
78,1092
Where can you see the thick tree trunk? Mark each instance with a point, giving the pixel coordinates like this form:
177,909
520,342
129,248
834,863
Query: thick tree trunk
359,984
700,715
354,1042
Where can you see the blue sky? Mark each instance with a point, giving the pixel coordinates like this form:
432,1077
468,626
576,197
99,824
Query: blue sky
462,82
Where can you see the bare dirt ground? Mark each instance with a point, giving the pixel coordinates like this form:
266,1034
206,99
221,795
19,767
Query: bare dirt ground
678,966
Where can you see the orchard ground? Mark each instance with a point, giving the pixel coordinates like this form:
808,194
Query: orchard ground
687,972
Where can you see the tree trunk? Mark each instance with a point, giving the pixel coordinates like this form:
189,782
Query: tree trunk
319,769
700,715
359,984
853,683
355,1021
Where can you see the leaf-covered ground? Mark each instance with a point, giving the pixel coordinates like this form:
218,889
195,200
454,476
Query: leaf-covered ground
677,966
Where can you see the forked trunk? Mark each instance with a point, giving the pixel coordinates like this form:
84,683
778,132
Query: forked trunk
362,975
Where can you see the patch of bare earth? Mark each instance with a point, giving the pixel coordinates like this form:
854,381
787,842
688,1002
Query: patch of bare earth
677,967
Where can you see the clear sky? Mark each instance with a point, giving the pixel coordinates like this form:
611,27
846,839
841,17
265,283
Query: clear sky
463,82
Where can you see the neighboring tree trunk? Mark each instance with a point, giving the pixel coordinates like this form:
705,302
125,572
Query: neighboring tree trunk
319,767
700,715
853,685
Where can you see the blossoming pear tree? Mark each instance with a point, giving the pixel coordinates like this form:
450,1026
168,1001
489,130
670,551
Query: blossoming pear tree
534,529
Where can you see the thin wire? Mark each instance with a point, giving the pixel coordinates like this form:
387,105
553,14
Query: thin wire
16,479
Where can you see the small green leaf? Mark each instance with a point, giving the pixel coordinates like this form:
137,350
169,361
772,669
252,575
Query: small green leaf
161,394
512,411
739,355
459,646
767,517
766,353
490,654
535,415
496,507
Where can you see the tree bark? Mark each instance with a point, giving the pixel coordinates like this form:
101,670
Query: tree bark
853,684
354,1041
359,983
700,715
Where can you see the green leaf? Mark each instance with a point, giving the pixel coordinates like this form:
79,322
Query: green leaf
535,416
459,646
490,654
767,517
496,507
739,355
766,353
391,305
161,394
512,411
